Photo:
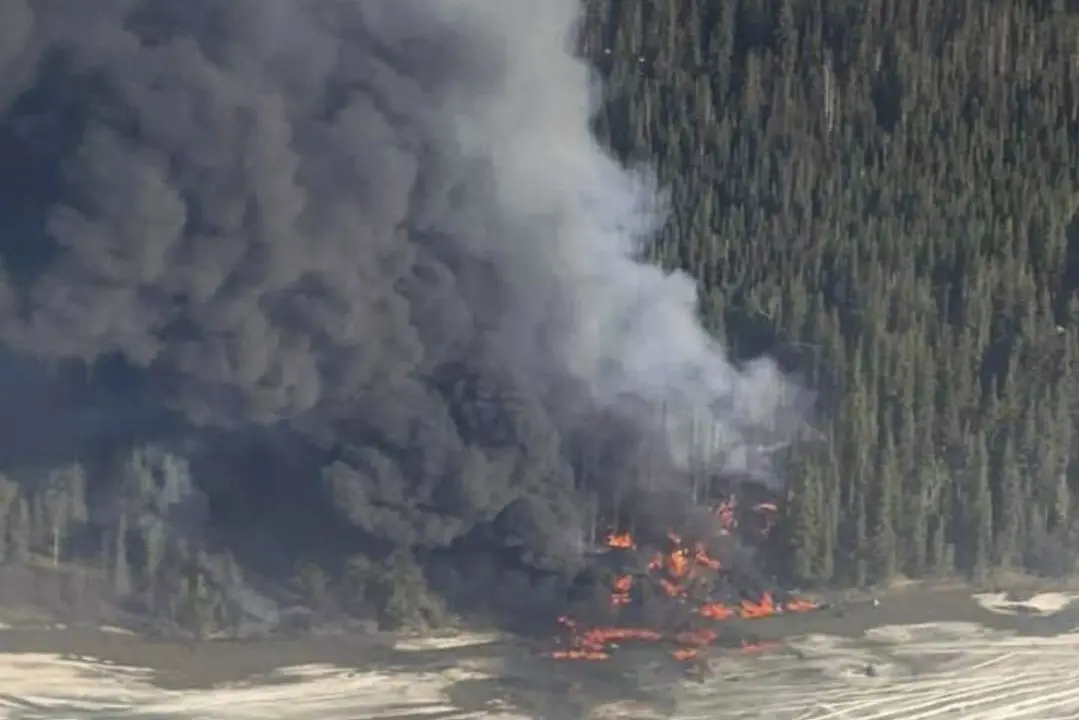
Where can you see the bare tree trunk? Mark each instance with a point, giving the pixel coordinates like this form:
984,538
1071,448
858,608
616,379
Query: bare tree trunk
55,546
593,519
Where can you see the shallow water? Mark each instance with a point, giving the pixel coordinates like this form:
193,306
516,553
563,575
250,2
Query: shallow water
914,658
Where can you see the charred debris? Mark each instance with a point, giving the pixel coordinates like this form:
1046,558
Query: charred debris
678,590
298,327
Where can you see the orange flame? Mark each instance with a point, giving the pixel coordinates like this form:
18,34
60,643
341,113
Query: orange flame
800,606
620,592
595,643
701,557
716,611
724,512
620,540
675,573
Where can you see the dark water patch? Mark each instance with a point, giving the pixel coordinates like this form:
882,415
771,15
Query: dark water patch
644,676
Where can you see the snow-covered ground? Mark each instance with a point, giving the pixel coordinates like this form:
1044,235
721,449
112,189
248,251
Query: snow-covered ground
960,671
914,672
51,687
1043,605
34,685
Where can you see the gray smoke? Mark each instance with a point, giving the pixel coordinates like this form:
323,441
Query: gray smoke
571,223
385,223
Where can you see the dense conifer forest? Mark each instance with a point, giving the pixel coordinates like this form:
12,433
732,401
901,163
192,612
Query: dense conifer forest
882,194
885,193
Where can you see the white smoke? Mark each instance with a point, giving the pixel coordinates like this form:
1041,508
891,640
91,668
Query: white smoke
577,221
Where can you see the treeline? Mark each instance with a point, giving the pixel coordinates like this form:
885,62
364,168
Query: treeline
885,194
132,533
122,530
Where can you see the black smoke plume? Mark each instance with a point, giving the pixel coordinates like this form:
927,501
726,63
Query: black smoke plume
376,234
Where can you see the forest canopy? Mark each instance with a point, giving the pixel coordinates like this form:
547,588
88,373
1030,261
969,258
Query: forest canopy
361,306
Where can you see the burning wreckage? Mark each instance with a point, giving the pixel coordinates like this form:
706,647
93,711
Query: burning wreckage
682,586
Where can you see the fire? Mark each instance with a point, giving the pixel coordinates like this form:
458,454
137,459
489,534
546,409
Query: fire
765,608
620,591
800,606
748,610
596,643
701,557
724,512
716,611
679,567
622,541
690,653
679,573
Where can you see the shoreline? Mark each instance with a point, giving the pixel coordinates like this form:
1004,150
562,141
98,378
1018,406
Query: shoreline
908,647
179,664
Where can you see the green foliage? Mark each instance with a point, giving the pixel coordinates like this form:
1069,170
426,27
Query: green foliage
401,595
887,197
887,200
